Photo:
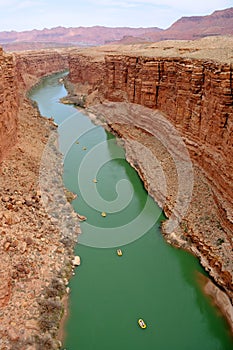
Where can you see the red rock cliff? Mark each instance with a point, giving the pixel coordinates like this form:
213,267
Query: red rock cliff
32,65
196,96
18,74
86,70
8,103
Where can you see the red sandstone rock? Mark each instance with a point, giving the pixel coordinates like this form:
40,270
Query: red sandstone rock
196,96
32,65
13,334
17,74
85,70
9,103
5,280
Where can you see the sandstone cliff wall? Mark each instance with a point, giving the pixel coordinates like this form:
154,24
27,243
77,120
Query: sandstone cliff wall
85,70
9,103
195,95
32,65
19,72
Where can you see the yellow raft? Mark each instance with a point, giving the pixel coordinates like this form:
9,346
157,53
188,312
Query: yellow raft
141,323
119,252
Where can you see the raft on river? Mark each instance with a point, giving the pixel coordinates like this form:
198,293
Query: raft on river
119,252
141,323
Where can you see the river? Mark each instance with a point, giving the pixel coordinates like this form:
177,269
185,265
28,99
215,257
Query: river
151,280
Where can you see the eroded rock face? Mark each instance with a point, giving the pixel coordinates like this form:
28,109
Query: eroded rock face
86,70
32,65
19,72
197,98
195,95
9,103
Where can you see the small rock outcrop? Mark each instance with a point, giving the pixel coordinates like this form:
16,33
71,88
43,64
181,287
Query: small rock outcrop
76,261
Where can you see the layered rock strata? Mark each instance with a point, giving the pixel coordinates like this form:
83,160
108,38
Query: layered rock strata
32,65
178,187
38,230
36,248
196,96
86,76
19,72
9,103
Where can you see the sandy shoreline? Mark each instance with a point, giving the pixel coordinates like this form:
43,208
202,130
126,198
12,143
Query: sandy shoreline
61,331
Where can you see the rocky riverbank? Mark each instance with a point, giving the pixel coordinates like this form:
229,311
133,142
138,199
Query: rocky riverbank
200,230
37,237
9,103
190,85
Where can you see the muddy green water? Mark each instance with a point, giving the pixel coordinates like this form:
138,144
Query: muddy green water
152,280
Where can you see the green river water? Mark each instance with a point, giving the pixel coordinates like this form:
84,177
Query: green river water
152,280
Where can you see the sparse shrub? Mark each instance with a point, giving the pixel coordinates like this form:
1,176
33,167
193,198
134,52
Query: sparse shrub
46,342
67,241
184,227
51,310
57,283
55,289
219,226
220,241
49,305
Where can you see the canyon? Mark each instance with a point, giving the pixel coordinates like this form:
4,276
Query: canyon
36,256
190,83
195,95
32,65
18,74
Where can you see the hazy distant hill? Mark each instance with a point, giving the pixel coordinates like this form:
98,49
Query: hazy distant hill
218,23
96,35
